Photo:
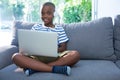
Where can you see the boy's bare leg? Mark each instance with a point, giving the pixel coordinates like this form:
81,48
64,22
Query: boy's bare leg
26,62
69,59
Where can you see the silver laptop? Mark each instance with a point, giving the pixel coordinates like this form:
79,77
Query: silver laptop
38,43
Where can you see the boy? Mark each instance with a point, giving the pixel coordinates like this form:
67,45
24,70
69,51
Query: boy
60,64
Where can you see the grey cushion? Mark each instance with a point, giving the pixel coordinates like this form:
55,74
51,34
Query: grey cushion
19,25
117,36
94,39
83,70
6,53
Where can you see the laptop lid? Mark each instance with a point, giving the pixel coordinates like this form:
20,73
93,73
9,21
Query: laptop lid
38,42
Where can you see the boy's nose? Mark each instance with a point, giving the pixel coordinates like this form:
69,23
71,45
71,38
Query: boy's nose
45,15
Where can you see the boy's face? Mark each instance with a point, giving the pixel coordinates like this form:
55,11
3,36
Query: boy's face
47,15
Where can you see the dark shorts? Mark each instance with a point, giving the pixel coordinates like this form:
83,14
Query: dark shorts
48,59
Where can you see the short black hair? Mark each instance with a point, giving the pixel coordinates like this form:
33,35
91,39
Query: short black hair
49,4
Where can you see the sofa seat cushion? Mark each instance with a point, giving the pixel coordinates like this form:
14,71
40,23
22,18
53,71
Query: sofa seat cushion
83,70
93,39
118,63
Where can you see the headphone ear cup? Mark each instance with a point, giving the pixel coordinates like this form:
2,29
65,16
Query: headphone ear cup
56,17
54,14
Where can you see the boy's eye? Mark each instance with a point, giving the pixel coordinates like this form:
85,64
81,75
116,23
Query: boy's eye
47,13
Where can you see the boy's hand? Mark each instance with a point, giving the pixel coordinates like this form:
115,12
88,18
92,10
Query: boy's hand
62,47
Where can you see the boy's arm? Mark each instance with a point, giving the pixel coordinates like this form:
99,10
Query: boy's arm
62,47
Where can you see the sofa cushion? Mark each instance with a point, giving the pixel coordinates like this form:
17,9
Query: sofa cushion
94,39
19,25
6,53
117,35
83,70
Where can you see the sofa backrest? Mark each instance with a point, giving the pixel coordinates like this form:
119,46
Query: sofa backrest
117,35
93,39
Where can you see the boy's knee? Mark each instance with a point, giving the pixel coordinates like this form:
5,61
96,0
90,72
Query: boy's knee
76,54
15,55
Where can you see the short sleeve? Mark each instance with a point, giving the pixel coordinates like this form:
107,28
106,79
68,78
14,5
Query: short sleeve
62,37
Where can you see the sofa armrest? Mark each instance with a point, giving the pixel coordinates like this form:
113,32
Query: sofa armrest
6,53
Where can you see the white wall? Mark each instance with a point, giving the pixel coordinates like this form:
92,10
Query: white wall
106,8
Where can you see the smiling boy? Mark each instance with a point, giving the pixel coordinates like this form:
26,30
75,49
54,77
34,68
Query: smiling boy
61,64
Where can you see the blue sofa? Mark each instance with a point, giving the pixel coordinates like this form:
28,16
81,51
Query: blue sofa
98,42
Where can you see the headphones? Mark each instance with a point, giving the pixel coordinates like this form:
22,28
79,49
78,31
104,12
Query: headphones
55,14
56,17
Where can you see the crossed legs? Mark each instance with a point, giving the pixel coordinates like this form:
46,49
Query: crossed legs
25,62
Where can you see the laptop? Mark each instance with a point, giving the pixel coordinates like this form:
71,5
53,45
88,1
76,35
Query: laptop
39,43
